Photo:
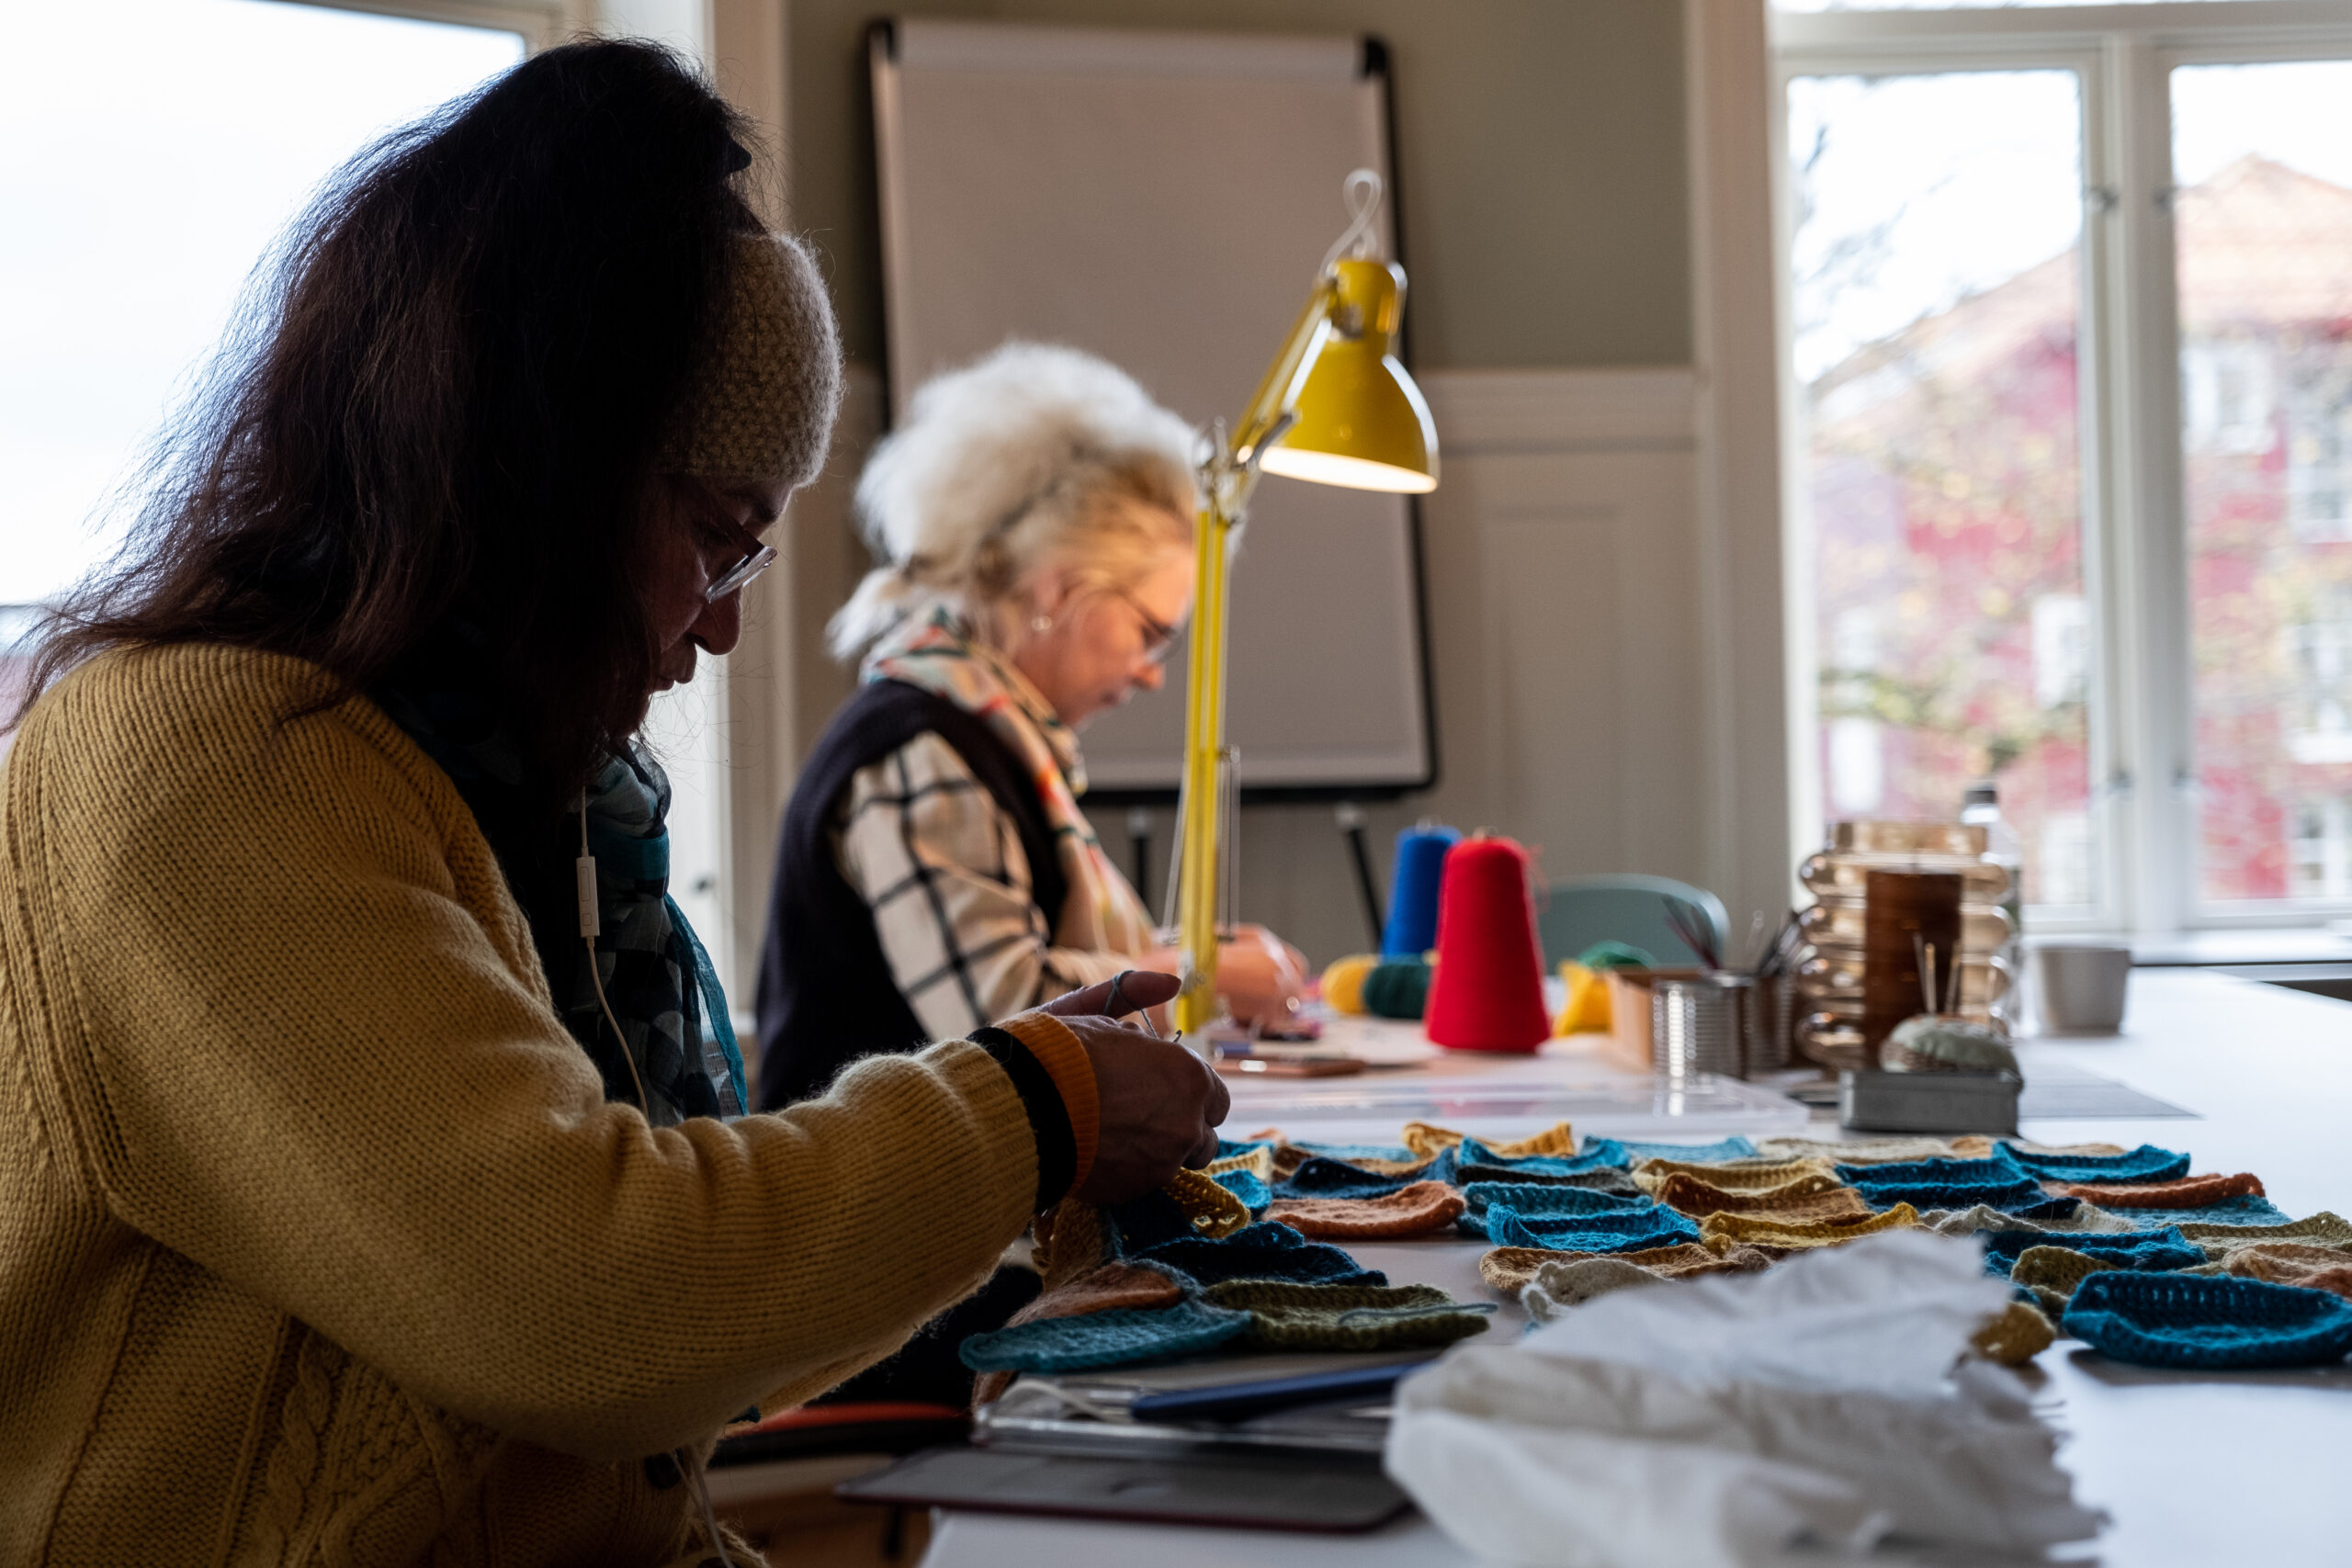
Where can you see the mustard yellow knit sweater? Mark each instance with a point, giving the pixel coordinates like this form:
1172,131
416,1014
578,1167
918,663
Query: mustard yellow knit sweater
318,1241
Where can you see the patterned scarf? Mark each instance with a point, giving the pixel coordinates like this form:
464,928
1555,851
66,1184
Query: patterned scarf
936,652
656,976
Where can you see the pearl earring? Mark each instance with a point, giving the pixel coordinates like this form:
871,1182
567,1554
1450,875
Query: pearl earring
1041,623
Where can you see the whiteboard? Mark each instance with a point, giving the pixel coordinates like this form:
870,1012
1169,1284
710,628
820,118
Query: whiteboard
1163,199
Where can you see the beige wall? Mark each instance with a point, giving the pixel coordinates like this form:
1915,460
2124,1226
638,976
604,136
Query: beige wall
1539,160
1546,205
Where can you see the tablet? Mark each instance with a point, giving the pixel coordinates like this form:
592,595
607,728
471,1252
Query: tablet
1258,1492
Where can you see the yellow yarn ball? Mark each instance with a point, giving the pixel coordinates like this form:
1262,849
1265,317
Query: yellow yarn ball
1343,981
1587,1006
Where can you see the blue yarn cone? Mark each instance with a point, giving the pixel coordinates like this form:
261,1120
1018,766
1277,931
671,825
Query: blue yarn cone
1412,893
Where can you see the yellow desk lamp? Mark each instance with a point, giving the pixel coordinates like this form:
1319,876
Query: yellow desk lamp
1334,408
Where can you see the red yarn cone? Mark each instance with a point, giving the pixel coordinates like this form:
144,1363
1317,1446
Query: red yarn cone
1487,993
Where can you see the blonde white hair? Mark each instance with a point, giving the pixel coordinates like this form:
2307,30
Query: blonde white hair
1032,458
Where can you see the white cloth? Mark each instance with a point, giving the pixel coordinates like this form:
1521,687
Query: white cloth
1712,1424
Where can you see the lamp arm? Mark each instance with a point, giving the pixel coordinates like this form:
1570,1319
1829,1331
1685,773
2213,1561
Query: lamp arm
1277,393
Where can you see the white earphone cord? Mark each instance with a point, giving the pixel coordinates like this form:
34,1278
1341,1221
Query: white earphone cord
590,924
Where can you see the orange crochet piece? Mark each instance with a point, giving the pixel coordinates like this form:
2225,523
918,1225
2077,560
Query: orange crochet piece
2189,1192
2289,1263
1509,1269
1417,1209
1815,1196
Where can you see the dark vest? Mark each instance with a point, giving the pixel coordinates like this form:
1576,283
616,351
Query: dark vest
826,994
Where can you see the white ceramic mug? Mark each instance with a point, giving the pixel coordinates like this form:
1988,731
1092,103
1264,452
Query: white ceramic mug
2079,986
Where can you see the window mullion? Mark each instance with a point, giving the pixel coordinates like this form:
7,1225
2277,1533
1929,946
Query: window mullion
2151,778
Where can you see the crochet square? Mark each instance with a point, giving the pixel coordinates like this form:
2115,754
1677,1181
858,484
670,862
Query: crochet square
1815,1197
2246,1210
1743,1175
1420,1210
2189,1192
2324,1227
1245,1185
2018,1196
1764,1230
2129,1249
1262,1251
1322,1176
1634,1231
1348,1318
1511,1269
1115,1338
1723,1149
1601,1178
2325,1268
2146,1163
2192,1322
1533,1198
1596,1154
1934,1172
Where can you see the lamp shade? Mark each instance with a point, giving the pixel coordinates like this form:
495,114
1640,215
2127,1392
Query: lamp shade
1361,423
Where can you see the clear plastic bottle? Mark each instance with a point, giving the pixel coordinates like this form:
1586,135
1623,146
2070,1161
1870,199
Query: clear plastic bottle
1980,806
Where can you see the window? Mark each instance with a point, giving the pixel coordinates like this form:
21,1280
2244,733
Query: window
2071,346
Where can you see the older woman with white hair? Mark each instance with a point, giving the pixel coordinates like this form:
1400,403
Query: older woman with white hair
1034,523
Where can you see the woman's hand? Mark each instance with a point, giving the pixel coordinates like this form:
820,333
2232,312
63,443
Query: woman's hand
1258,973
1160,1104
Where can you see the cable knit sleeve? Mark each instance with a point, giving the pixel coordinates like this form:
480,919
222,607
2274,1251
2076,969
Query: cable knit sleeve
301,1039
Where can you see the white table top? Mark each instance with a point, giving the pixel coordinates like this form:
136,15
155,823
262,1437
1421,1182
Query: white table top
2198,1469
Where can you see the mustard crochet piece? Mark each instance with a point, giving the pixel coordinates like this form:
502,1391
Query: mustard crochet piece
1067,1242
2014,1335
1510,1269
1287,1315
1428,1140
2057,1269
1259,1162
1816,1196
1761,1230
1214,1211
2324,1227
1732,1176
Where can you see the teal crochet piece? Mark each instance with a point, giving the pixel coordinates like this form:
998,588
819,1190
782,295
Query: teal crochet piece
1397,1151
1727,1148
2146,1251
1937,1172
1601,1178
1540,1198
1262,1251
2196,1323
1596,1154
1323,1177
2247,1209
2015,1195
1245,1185
1634,1232
1116,1338
2146,1163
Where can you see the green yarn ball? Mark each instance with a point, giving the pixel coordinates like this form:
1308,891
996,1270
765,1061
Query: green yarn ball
1398,988
1615,955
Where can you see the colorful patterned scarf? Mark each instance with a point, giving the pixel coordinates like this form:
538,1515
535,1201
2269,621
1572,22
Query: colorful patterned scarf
659,980
937,653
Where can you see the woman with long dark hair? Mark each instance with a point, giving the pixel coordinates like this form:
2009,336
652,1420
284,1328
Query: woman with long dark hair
373,1180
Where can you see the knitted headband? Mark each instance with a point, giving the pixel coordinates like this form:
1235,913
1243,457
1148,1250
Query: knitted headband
761,407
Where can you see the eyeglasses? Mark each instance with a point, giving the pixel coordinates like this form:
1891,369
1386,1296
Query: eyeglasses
1158,637
755,558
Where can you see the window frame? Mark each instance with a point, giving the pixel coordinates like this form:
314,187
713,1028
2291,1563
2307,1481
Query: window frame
2141,720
